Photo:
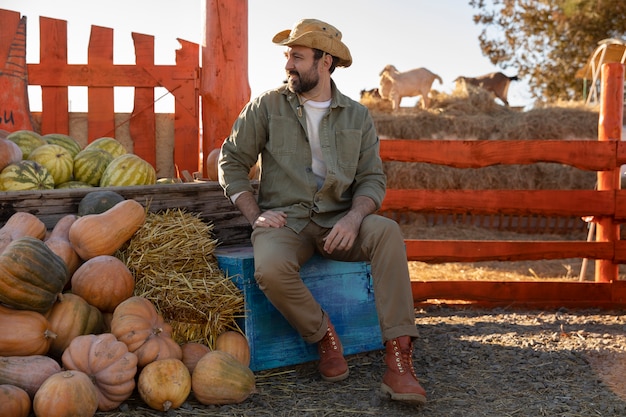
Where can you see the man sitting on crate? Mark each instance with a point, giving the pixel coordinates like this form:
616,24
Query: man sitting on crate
321,182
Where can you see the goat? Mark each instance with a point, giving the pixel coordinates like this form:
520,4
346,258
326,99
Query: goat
495,82
416,82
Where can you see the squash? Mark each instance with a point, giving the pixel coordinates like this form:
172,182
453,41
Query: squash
219,378
25,175
109,364
67,142
31,275
14,401
111,145
10,153
24,333
56,159
137,323
103,234
103,281
128,170
234,343
212,165
21,224
89,165
192,352
71,316
97,202
27,140
27,372
59,242
64,394
164,384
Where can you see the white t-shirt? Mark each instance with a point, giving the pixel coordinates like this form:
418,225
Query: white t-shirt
314,112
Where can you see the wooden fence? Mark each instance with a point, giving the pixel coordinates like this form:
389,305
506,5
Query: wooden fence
607,204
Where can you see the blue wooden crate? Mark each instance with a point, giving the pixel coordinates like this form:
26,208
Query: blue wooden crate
344,290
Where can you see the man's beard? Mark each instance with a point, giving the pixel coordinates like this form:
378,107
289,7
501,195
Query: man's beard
304,82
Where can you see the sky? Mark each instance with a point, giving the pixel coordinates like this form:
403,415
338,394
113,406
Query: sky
439,35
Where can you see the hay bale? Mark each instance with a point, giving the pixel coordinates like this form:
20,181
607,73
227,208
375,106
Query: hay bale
171,257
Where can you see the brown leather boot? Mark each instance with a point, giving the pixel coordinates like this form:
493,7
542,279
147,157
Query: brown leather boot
332,366
400,380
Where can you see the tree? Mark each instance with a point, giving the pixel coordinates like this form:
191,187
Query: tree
547,41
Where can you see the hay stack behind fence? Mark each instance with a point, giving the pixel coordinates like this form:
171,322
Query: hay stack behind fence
172,259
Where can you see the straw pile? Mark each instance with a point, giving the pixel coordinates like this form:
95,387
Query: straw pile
171,257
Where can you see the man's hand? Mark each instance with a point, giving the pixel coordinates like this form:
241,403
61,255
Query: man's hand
270,218
343,234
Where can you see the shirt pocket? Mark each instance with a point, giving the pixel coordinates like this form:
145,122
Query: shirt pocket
283,136
348,144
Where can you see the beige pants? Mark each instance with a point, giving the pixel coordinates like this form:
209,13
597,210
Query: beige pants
279,253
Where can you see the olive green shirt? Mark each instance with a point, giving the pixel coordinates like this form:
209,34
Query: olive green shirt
274,127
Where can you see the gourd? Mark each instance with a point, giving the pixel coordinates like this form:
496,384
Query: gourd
64,394
21,224
59,242
211,164
67,142
103,281
71,316
14,401
27,372
27,140
219,378
89,165
111,145
25,175
31,275
109,364
56,159
102,234
128,170
10,153
24,333
97,202
192,352
72,184
137,323
236,344
164,384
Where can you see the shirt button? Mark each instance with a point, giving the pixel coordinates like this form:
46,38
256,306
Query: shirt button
309,170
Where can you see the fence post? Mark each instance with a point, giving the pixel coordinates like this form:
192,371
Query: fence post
609,129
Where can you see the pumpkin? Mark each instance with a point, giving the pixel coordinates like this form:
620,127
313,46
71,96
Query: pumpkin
10,153
25,175
14,401
212,164
21,224
27,141
56,159
137,323
71,316
64,394
24,333
109,364
127,170
111,145
27,372
104,233
31,275
89,165
59,242
219,378
192,352
103,281
164,384
99,201
67,142
234,343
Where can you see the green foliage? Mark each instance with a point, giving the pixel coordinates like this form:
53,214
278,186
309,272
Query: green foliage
547,41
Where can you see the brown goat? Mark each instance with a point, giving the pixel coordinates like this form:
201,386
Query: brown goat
496,82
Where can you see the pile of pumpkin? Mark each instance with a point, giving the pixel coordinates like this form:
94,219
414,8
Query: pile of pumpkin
30,161
75,340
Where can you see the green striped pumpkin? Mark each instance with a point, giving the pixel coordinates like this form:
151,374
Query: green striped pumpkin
89,165
56,159
111,145
27,140
68,142
25,175
128,169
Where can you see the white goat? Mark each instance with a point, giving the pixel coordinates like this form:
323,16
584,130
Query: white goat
416,82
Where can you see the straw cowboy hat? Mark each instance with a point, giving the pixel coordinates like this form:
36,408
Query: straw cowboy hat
318,35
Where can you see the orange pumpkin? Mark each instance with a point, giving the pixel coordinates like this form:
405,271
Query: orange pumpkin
14,401
109,364
59,242
24,333
137,323
10,153
67,393
192,352
211,164
27,372
103,281
236,344
219,378
21,224
164,384
72,316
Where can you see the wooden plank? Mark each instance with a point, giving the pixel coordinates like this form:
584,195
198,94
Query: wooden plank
588,155
55,117
9,20
101,116
437,251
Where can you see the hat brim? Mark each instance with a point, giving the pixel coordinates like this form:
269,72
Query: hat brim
312,40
